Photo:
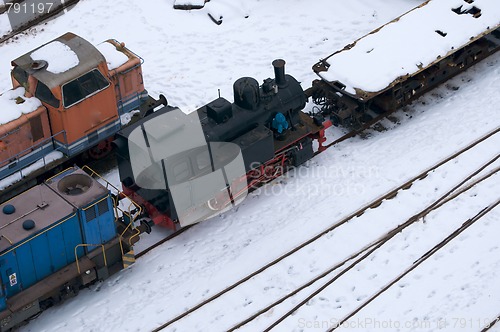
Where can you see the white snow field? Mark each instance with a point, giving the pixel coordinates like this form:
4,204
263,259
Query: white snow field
188,58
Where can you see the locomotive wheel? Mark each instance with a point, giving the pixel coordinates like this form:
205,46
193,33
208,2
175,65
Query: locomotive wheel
356,123
101,150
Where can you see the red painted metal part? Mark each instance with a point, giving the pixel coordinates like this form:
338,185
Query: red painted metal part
158,217
101,150
321,135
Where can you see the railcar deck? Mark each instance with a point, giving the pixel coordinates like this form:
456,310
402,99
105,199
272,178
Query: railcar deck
409,45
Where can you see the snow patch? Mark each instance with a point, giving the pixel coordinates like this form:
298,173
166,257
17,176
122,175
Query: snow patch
114,58
13,104
60,57
5,27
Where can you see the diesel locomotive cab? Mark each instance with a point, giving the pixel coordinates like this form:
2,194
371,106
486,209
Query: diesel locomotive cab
69,98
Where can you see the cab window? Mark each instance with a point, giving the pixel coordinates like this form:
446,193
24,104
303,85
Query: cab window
83,87
43,93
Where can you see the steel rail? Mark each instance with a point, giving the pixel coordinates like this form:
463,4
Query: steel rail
368,250
469,222
358,212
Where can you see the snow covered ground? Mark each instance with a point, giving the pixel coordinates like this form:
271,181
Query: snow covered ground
187,58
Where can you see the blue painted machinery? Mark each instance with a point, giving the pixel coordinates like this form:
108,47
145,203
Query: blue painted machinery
55,238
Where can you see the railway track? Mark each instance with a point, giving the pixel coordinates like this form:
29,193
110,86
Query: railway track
359,256
491,324
363,254
466,224
67,4
457,190
352,133
374,203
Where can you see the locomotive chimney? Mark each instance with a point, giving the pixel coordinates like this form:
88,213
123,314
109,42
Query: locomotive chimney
279,72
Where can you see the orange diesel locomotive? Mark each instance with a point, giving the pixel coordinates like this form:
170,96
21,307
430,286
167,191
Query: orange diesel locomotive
68,97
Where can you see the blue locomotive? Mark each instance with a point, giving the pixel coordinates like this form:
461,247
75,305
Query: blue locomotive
55,238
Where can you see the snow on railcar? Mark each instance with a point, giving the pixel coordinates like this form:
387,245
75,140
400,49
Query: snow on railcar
406,57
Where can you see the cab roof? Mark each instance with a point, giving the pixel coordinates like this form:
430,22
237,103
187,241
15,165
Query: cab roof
88,58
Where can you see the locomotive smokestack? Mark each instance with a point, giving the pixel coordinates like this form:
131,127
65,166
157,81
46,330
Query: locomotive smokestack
279,72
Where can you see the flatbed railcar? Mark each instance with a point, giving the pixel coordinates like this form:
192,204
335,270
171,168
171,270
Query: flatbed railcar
403,59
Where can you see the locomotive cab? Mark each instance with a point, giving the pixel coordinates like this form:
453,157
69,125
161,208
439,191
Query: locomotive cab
84,91
68,75
167,166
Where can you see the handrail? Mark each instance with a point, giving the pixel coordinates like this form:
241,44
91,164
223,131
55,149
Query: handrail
34,147
132,206
126,48
137,233
16,158
89,245
61,172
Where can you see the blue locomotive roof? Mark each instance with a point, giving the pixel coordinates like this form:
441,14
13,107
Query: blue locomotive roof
46,205
41,205
77,187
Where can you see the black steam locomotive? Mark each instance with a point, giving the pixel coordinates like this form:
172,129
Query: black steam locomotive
265,122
